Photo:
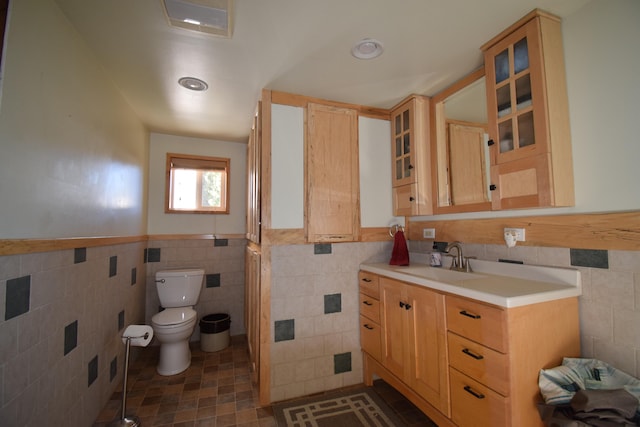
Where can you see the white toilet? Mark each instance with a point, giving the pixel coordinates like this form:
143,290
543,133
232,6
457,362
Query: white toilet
178,291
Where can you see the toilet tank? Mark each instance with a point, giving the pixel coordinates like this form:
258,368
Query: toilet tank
179,288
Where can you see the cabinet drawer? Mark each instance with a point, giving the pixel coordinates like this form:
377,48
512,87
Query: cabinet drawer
369,284
484,365
477,322
474,405
370,307
370,338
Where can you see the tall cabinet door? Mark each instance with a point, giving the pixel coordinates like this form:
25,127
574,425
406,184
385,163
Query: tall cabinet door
428,355
395,351
332,179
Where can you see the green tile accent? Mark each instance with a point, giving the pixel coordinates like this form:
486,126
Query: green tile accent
221,242
113,368
113,266
79,255
212,280
17,297
92,371
322,248
332,303
121,320
341,363
284,330
589,258
152,255
70,337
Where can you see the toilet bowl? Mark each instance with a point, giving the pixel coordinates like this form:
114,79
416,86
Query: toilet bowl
178,291
173,327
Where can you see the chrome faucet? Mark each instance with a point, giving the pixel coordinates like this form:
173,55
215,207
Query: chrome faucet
458,262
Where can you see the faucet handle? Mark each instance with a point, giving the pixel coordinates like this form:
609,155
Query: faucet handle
454,260
467,265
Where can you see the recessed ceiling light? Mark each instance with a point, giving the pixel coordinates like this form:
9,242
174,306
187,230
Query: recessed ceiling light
367,49
193,83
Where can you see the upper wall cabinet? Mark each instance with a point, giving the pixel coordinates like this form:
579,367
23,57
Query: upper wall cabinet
528,115
410,154
332,181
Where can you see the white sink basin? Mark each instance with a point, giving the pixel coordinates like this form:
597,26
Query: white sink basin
438,274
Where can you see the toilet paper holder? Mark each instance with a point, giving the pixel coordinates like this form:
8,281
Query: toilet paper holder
140,340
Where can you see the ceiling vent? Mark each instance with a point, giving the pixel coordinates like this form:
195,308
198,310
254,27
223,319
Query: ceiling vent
206,16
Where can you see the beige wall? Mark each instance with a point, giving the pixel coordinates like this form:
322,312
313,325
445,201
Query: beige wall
74,156
163,223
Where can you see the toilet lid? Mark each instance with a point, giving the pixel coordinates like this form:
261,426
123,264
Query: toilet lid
173,316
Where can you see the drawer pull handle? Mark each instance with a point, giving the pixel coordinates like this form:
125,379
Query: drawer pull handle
366,279
367,303
366,325
472,354
471,315
471,391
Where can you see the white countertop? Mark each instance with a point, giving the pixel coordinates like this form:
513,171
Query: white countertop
503,284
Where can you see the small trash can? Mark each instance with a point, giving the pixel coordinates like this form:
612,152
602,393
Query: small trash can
214,332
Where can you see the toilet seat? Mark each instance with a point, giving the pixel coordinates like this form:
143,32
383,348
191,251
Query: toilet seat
171,317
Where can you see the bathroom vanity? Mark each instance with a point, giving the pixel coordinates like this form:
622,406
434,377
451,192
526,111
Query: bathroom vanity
466,348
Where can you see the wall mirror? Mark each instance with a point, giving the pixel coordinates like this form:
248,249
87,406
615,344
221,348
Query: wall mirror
460,154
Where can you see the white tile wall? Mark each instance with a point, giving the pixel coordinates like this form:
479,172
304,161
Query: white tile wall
40,385
300,280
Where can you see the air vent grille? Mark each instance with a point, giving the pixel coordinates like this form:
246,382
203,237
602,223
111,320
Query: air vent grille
206,16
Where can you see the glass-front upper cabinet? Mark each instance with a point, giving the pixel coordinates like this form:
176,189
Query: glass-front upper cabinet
528,115
403,140
515,94
410,157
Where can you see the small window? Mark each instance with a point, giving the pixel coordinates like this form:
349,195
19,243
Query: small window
197,184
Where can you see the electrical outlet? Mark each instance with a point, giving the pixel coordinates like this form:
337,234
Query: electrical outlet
519,233
429,233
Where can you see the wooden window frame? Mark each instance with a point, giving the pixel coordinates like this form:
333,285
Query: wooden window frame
202,163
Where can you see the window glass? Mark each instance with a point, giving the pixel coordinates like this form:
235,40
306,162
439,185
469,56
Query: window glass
197,184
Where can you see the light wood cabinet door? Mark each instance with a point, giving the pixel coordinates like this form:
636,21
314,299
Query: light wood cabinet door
428,346
528,115
332,208
394,322
410,157
414,339
252,310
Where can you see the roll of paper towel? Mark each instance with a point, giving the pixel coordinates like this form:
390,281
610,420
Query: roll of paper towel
140,335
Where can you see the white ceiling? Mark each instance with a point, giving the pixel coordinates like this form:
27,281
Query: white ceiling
296,46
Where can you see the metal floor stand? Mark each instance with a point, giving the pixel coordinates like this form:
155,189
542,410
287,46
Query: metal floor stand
125,421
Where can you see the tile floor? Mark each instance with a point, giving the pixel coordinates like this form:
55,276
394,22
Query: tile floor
216,391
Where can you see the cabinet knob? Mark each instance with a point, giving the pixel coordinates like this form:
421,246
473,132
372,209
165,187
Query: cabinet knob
366,325
367,303
410,167
492,187
411,198
366,280
490,142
